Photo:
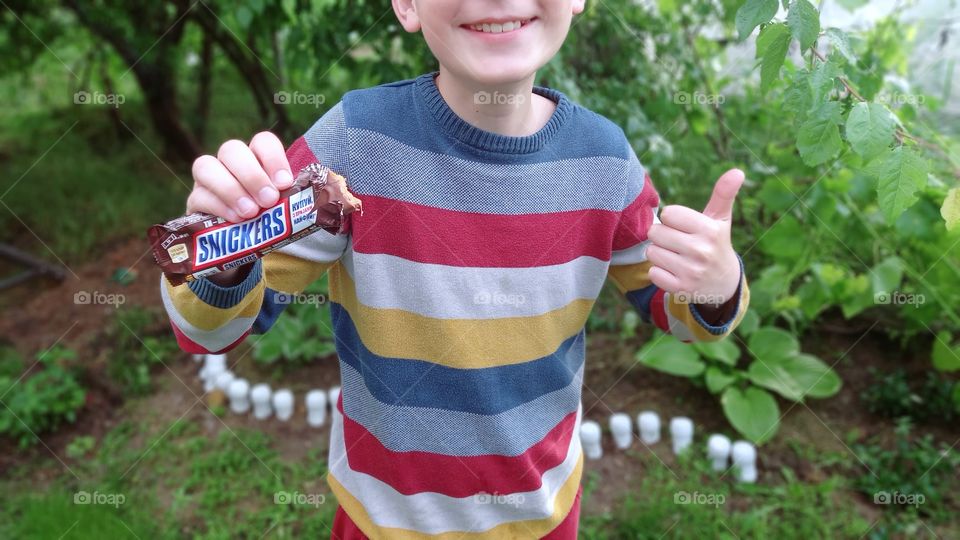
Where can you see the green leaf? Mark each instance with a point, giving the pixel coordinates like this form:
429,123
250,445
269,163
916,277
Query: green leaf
749,323
823,80
804,22
772,44
771,343
870,129
671,356
244,16
724,350
951,208
945,357
818,140
717,379
901,172
753,13
752,412
780,241
795,377
841,41
886,276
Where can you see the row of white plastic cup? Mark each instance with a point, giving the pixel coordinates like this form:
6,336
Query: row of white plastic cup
719,448
261,398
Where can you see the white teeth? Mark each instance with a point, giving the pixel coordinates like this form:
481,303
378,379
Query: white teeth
496,28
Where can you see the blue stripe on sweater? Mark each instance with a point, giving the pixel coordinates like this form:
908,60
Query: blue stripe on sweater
481,391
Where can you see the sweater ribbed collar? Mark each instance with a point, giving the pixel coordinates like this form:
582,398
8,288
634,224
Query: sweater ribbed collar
429,95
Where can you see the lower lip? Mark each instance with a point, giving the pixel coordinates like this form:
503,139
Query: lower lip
502,36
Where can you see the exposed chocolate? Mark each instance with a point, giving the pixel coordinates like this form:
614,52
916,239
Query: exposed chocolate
199,244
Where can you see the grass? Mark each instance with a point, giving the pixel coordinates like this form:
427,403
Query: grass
174,482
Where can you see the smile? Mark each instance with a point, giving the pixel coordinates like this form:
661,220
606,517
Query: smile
498,27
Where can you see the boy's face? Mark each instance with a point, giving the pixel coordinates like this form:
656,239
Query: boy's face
464,37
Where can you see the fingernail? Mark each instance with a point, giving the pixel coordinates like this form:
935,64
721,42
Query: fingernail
284,179
268,195
246,205
232,216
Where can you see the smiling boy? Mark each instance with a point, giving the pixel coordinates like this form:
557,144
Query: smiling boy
494,210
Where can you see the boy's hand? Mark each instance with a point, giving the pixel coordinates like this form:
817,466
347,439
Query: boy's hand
691,252
241,179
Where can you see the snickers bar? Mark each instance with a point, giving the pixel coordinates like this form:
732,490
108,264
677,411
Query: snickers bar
199,244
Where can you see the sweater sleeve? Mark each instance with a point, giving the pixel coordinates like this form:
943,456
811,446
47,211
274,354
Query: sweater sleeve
208,318
629,268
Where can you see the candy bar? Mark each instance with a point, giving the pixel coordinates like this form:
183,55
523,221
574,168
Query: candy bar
199,244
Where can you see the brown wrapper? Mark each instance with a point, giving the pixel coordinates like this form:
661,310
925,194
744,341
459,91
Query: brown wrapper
198,244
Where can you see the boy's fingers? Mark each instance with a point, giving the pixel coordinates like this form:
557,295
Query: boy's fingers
211,174
682,218
663,279
202,199
268,148
665,259
669,238
237,157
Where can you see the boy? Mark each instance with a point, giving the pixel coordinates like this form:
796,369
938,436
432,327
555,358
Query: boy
493,212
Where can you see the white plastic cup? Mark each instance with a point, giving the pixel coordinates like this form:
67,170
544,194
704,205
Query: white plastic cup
718,450
283,404
316,403
239,394
622,429
648,423
260,396
681,433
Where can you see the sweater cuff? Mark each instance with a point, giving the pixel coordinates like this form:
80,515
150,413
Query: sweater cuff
227,297
725,327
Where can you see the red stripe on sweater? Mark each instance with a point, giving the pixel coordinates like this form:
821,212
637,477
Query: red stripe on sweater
658,311
435,235
188,345
637,217
456,476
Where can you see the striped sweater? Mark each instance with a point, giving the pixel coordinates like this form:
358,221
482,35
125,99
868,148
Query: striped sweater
458,303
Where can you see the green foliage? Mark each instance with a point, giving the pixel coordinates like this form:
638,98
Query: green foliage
303,333
777,365
921,471
895,395
140,341
782,506
42,400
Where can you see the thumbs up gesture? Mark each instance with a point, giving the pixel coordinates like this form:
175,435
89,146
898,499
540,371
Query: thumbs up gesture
690,252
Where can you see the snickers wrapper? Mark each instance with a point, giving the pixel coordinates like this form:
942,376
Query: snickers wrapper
198,245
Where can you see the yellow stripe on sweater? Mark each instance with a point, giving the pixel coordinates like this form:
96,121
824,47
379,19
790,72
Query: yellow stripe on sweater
478,343
538,528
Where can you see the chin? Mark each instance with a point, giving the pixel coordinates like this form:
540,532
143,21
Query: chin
496,72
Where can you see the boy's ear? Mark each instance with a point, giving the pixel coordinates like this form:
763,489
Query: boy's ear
578,6
407,15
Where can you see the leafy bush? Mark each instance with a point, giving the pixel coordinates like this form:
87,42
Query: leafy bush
892,395
42,401
777,365
304,332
